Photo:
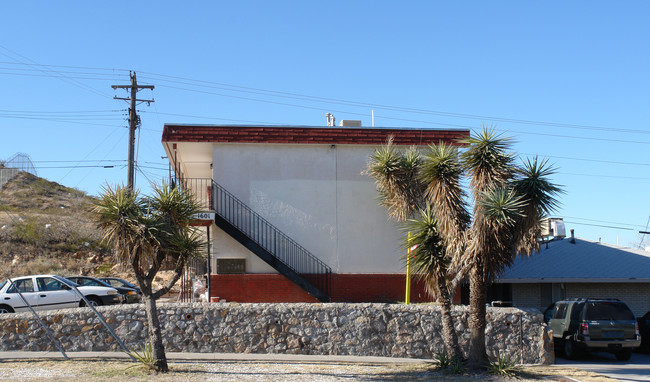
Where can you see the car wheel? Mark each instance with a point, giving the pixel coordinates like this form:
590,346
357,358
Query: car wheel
570,351
5,309
624,355
94,301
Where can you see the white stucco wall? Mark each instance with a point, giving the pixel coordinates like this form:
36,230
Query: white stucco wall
317,195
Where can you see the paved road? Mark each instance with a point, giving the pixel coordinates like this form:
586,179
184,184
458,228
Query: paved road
636,369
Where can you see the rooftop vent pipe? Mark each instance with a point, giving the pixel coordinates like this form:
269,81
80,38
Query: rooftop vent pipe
331,121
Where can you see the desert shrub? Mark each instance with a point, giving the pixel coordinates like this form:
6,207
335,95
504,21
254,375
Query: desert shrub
449,364
503,366
62,233
43,266
27,230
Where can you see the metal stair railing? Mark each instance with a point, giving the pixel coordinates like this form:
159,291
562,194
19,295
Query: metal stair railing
266,235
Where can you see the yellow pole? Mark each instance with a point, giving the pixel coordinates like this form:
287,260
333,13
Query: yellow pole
407,299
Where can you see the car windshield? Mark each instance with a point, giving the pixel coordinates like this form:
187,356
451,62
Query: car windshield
3,284
66,281
608,310
89,282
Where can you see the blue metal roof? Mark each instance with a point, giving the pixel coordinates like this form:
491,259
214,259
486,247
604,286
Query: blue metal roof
580,261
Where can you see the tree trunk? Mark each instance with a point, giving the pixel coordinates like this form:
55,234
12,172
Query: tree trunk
449,336
477,297
155,333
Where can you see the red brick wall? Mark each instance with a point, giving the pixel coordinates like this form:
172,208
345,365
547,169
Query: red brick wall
309,135
257,288
345,288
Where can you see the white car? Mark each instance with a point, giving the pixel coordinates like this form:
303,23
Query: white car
44,292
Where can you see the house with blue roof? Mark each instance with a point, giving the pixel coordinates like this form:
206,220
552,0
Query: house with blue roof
572,268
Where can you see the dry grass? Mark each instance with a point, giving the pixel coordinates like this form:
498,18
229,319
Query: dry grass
119,371
47,228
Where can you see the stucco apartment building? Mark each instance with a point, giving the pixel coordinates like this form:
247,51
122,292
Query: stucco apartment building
290,215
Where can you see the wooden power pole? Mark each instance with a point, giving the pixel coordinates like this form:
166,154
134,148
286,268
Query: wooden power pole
133,122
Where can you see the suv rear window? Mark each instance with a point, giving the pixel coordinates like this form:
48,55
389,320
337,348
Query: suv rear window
560,310
608,310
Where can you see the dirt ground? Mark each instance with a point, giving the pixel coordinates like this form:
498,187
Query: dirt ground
123,371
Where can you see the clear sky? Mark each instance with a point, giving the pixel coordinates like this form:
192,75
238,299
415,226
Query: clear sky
569,81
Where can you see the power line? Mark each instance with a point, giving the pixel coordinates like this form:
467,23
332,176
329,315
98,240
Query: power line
604,221
274,93
80,161
50,72
603,226
603,176
77,166
590,160
70,67
215,118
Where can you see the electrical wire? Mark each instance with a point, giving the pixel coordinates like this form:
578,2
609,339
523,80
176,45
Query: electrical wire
274,93
50,72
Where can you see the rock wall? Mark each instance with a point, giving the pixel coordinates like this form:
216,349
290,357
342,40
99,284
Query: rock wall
388,330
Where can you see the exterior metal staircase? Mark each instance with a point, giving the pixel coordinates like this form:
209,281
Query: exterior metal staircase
264,239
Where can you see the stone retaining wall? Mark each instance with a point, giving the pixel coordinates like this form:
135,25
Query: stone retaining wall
388,330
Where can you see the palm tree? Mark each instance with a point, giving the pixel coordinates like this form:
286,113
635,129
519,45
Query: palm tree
431,263
509,202
401,191
147,233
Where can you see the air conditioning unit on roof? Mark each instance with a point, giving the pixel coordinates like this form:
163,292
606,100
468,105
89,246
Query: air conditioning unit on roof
553,227
350,123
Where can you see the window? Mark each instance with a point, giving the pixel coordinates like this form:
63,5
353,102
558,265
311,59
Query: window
49,284
23,286
560,310
605,310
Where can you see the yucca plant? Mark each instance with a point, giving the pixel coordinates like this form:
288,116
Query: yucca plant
145,357
147,232
449,364
430,263
508,203
503,366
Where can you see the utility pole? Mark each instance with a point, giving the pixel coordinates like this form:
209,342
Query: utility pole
134,121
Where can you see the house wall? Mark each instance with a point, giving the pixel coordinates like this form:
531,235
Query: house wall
526,295
635,295
315,194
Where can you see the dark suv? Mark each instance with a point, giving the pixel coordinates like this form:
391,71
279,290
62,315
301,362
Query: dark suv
593,324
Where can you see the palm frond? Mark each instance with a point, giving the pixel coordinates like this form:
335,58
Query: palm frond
501,207
175,205
533,184
428,259
441,174
396,178
487,160
540,194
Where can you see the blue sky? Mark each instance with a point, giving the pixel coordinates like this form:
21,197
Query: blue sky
569,81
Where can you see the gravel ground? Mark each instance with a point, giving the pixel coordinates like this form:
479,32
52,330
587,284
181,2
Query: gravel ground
242,371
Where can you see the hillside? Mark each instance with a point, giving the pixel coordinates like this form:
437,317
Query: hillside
47,228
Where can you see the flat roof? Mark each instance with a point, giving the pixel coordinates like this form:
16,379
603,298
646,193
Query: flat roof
310,134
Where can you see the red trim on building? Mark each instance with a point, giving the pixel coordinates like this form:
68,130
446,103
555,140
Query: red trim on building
309,135
345,288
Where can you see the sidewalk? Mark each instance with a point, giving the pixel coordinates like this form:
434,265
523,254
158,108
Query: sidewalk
198,357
